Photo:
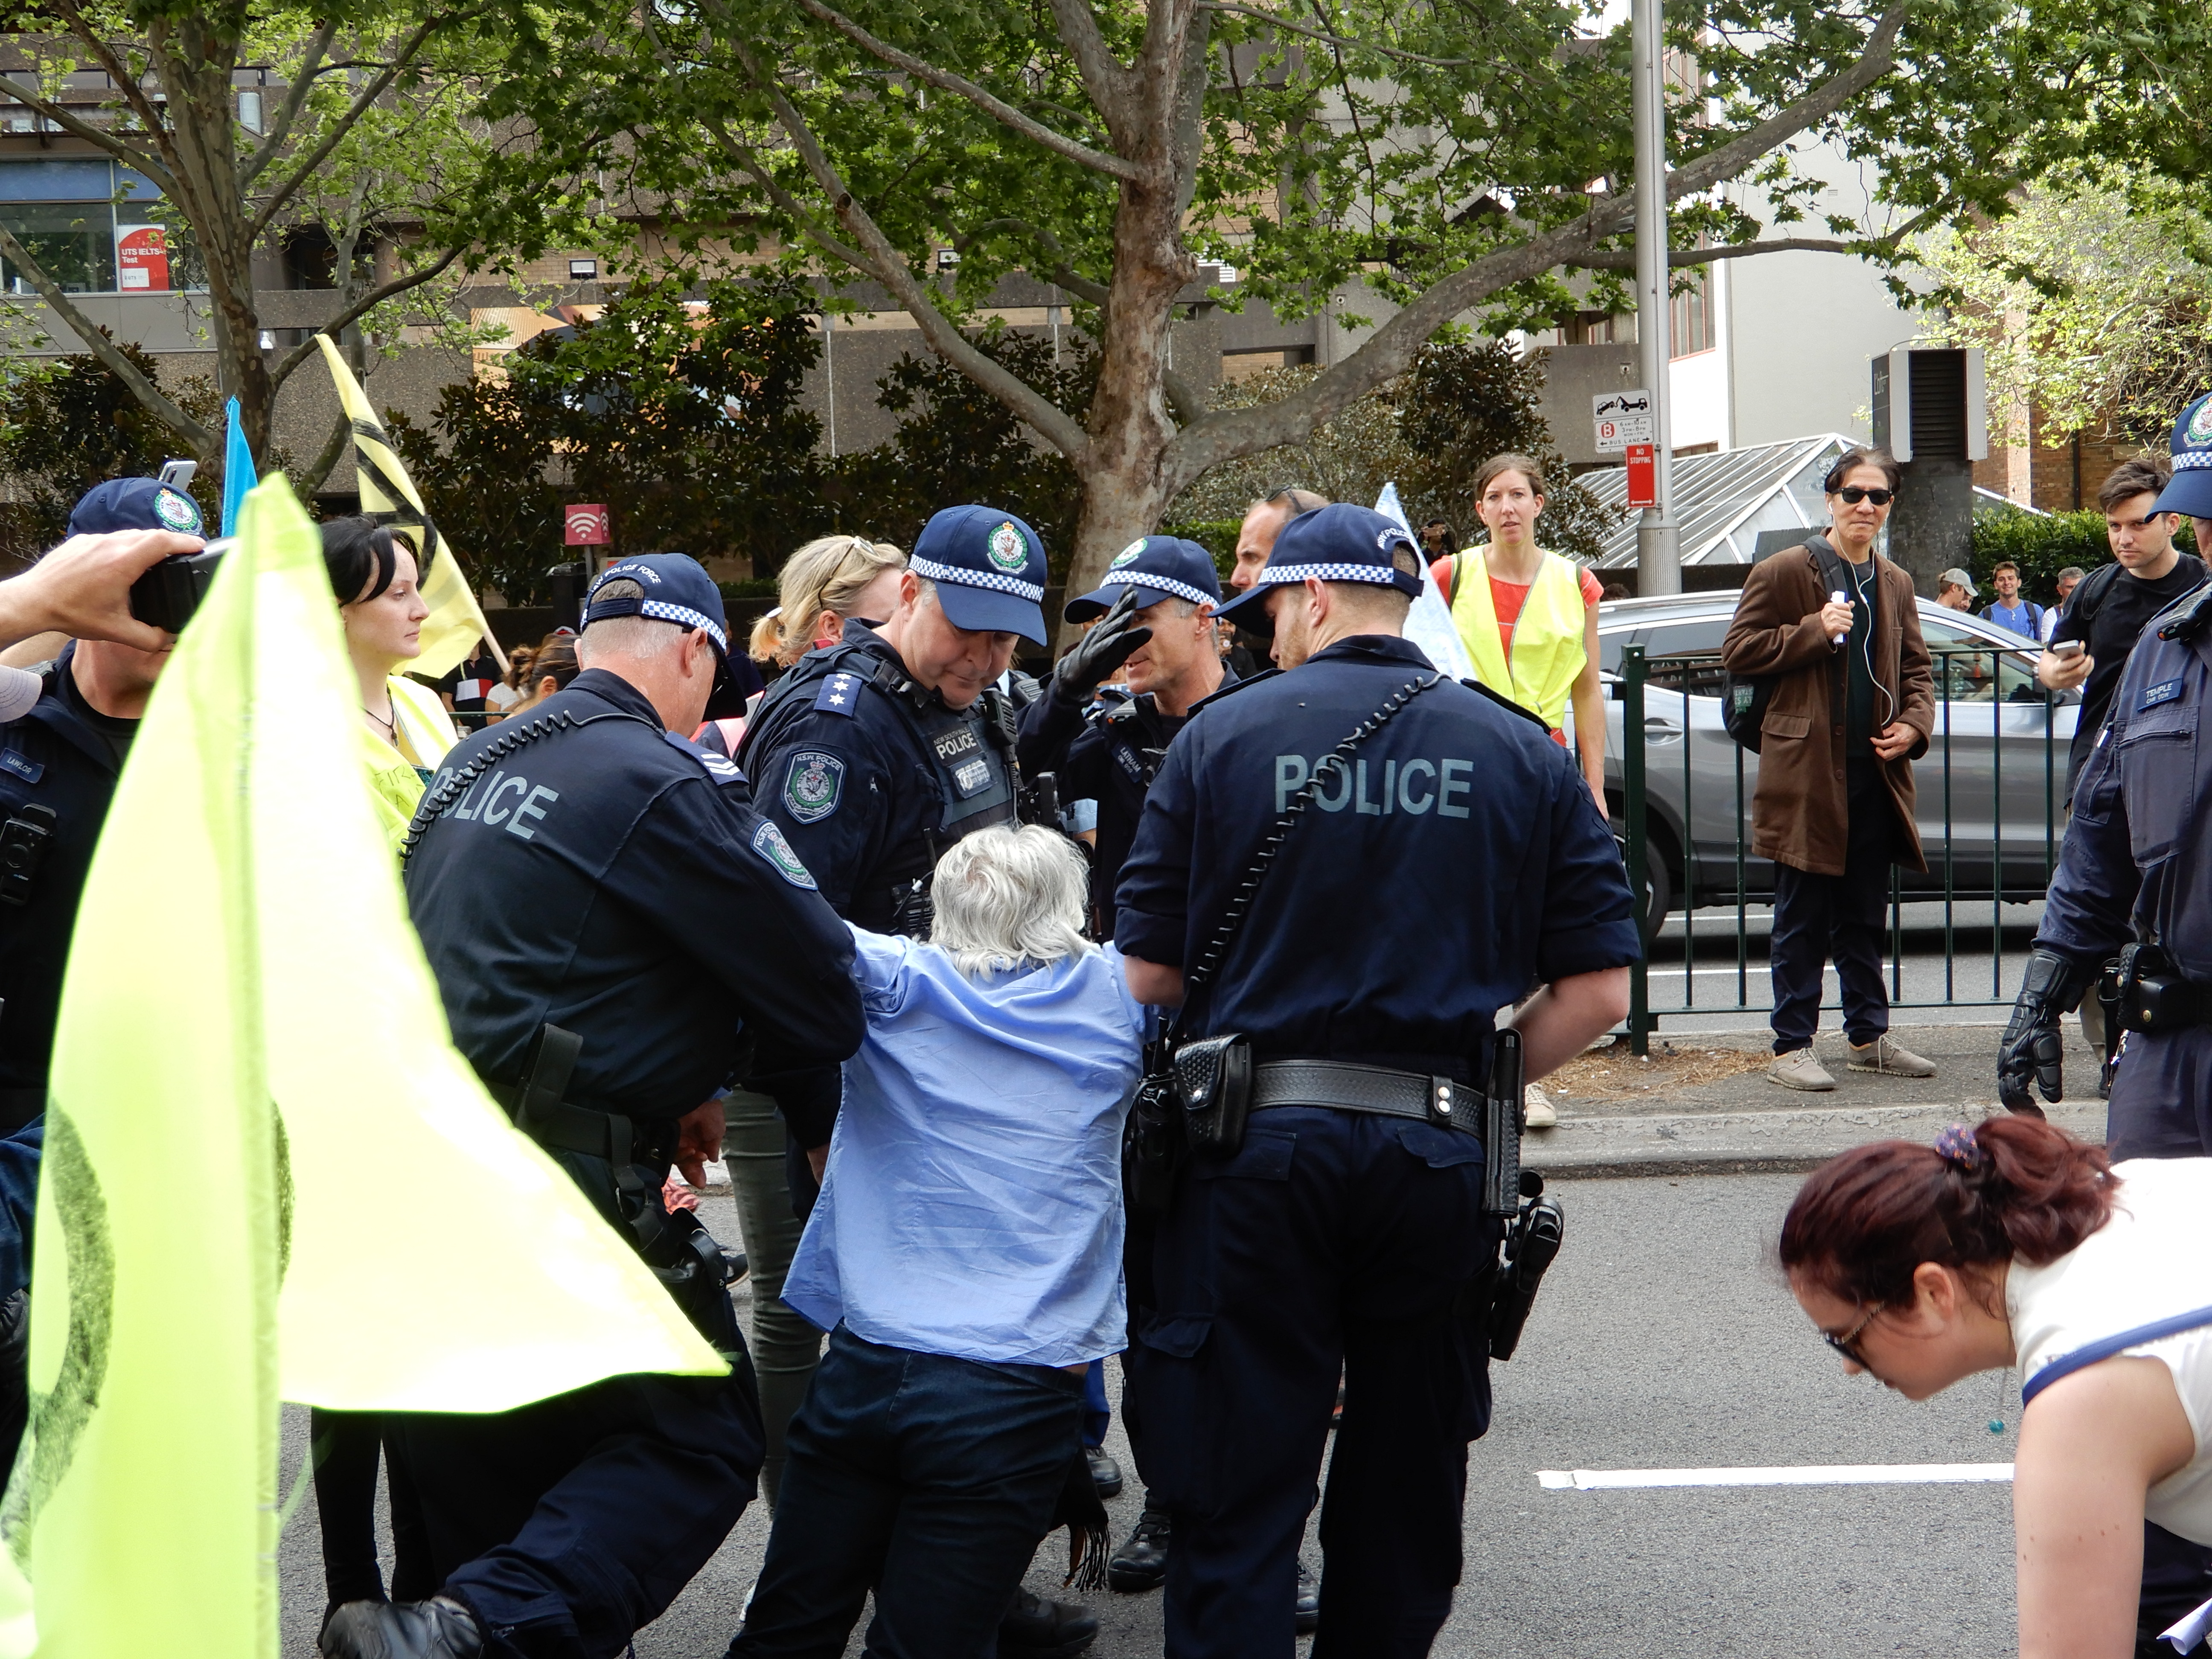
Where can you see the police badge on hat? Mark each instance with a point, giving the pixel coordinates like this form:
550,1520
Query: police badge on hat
812,787
176,512
1007,551
1130,554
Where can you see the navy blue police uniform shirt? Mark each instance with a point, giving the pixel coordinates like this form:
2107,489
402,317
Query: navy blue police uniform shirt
871,793
2137,861
1108,753
615,881
1460,863
65,756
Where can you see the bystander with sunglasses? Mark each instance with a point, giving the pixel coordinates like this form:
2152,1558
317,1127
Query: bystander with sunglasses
1836,628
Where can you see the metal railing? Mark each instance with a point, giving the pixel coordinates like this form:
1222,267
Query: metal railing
1719,870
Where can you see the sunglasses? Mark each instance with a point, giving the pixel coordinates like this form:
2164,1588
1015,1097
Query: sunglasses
1854,494
1847,1343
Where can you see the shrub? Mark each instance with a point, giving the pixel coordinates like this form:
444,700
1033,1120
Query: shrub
2041,544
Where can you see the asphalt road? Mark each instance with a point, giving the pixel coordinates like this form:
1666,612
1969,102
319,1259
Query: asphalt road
1665,1339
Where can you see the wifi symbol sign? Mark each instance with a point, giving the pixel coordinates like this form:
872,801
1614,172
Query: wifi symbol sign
587,526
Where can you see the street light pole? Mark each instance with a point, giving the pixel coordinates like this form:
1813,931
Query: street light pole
1658,541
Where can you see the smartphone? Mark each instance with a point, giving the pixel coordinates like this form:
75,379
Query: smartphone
168,593
2068,649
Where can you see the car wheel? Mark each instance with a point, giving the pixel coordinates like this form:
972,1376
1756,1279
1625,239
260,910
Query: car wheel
1655,894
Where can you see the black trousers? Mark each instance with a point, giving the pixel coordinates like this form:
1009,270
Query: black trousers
1332,1244
569,1524
1818,919
2176,1580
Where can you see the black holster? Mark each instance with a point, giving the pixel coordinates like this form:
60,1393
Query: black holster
2153,996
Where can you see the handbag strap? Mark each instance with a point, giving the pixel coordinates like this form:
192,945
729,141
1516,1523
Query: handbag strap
1240,902
2105,1347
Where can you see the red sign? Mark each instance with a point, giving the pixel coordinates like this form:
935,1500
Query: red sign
587,527
142,259
1642,475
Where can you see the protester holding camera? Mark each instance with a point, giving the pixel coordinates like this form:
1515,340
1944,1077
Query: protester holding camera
964,1256
60,758
405,729
2012,1243
2131,877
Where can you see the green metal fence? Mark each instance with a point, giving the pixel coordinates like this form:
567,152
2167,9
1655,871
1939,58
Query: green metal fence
1716,870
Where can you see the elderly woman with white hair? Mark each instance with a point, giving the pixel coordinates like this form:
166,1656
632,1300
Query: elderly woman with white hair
965,1258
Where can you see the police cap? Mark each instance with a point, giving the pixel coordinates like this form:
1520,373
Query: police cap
1158,568
134,504
988,567
1340,543
677,589
2191,492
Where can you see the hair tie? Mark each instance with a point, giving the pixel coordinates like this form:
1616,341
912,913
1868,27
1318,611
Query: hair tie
1958,1147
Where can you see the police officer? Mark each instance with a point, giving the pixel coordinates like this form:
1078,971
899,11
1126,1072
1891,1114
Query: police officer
875,754
1448,857
1156,606
617,937
2135,878
58,763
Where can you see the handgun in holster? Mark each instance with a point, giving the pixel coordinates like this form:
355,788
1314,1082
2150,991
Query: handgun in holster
682,1254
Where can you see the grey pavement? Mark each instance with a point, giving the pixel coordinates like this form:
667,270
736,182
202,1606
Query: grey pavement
1665,1338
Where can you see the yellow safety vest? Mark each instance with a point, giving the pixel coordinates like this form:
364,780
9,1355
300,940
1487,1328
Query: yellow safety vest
395,784
1547,636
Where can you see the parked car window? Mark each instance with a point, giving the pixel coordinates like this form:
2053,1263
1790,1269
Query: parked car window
1666,644
1978,675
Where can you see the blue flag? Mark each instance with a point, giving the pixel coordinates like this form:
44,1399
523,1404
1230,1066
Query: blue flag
238,474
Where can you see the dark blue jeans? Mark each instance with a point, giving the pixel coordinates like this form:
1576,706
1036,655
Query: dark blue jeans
929,1479
1819,918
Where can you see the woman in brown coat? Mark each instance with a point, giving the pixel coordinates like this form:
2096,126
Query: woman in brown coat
1834,804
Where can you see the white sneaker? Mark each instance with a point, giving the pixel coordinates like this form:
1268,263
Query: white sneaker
1885,1057
1798,1070
1542,1113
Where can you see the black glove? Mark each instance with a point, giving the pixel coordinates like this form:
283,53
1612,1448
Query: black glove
2031,1048
1111,641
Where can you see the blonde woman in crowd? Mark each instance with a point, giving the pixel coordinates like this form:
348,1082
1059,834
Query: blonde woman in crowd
830,581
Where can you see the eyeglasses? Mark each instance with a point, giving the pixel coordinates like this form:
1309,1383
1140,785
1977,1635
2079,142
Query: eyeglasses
1854,494
1847,1343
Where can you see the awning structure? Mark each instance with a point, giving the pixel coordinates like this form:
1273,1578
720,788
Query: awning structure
1723,500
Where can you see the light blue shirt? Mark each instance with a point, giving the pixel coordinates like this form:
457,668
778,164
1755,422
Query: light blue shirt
972,1205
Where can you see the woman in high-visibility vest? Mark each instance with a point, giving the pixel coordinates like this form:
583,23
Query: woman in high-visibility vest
404,729
1528,618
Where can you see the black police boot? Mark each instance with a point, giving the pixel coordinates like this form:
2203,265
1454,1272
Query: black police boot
1035,1628
1307,1610
1105,1472
1141,1563
439,1628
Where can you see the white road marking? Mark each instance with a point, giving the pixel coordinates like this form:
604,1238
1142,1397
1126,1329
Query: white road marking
1817,1475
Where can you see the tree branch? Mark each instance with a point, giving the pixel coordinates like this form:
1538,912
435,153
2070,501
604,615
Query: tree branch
1112,88
353,313
1273,21
1224,434
874,254
982,98
333,447
77,128
295,98
1625,259
97,343
345,123
119,73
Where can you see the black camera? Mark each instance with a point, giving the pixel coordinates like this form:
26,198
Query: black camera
167,594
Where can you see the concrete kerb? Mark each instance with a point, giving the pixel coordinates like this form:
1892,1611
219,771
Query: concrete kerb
1761,1142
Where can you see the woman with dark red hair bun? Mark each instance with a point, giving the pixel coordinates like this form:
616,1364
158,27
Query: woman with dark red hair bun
2014,1244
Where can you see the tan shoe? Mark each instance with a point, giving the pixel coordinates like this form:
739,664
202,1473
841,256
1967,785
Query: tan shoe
1885,1057
1542,1113
1798,1070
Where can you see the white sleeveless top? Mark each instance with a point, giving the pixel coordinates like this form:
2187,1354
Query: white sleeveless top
2153,1260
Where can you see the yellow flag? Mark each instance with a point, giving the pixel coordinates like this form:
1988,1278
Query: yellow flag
455,623
268,1175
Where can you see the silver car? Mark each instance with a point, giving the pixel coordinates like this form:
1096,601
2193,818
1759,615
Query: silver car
1992,786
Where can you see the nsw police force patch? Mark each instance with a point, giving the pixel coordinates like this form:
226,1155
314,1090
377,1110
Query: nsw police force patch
768,843
813,786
